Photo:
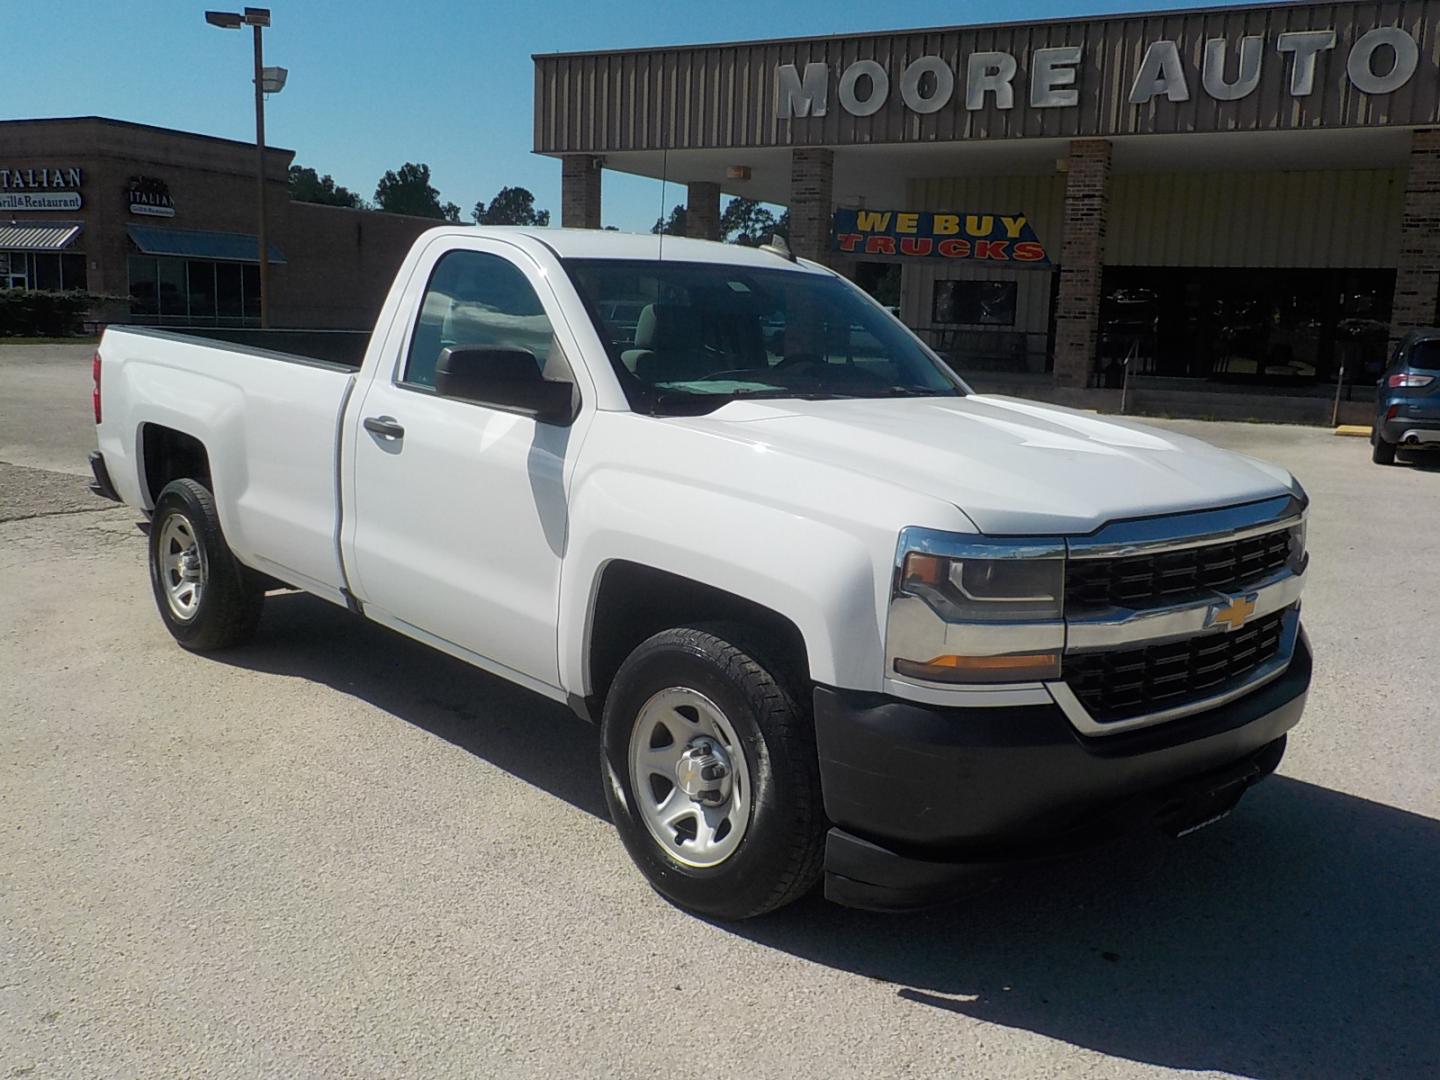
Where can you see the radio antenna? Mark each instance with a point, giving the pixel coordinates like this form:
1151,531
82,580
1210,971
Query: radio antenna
664,176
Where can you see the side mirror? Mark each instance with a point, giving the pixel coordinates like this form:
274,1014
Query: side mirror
506,379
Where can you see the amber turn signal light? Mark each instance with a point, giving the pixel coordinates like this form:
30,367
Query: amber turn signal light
1017,667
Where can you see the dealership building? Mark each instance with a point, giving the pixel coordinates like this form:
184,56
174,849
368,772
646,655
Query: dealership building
164,223
1220,198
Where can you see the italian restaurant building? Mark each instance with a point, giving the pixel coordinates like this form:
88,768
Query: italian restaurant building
162,224
1231,197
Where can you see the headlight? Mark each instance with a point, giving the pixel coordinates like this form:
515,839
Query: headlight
971,611
987,590
1297,547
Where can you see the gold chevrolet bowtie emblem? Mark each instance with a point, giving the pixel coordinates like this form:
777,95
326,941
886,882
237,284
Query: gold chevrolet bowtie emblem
1233,613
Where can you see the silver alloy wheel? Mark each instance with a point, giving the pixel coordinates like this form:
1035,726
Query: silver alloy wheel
690,777
183,570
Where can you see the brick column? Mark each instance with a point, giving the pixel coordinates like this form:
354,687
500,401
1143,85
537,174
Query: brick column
812,175
580,191
1082,261
702,210
1417,273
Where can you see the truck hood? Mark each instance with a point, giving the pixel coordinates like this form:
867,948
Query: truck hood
1013,467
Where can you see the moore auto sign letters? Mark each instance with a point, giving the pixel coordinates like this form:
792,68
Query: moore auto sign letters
1380,62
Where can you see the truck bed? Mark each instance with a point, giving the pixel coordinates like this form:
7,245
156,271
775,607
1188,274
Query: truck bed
343,347
269,419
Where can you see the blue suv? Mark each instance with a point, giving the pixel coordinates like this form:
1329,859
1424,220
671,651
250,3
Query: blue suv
1407,413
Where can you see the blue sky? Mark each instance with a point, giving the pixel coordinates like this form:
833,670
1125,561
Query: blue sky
376,83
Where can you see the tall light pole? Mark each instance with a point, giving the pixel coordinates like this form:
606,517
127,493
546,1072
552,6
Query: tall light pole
266,80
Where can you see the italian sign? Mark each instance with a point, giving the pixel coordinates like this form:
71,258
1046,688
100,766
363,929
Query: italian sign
988,238
40,189
150,197
40,200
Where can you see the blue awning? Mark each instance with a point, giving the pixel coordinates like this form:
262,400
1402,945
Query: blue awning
199,244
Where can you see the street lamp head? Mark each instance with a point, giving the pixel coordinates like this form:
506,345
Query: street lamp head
272,79
233,20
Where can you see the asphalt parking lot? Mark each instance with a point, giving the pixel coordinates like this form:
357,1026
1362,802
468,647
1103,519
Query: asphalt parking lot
335,852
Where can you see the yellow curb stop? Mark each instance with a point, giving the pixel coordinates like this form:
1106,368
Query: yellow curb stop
1360,430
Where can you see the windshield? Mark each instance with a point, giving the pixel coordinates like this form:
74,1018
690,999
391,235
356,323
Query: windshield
692,336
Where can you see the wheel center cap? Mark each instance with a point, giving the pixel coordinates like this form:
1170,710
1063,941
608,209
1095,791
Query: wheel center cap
190,566
703,772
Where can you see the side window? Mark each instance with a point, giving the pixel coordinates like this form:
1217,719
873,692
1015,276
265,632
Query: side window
475,298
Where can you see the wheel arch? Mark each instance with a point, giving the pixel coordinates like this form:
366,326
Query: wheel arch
167,454
617,621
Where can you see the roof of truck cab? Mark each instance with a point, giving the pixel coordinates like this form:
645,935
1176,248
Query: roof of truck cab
609,244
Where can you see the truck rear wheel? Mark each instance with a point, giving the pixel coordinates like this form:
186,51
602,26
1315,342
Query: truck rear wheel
207,598
711,772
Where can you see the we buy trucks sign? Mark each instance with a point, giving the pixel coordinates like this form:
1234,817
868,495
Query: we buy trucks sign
987,238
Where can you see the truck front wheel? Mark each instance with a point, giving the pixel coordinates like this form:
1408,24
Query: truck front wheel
207,598
711,772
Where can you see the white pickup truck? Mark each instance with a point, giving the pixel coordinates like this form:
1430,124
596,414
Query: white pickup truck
835,614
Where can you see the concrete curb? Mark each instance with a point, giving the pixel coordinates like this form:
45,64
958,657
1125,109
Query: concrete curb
1358,430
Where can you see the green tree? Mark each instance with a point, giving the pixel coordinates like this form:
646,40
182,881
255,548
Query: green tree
675,226
747,222
307,186
511,206
408,191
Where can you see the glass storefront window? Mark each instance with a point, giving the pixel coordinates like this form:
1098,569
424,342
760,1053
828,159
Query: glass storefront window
73,274
975,303
200,276
174,304
13,270
45,272
143,278
194,292
251,276
1243,325
229,294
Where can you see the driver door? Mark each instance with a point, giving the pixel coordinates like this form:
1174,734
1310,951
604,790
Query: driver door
460,508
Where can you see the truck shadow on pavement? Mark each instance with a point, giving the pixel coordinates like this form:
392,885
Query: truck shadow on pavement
1299,938
540,741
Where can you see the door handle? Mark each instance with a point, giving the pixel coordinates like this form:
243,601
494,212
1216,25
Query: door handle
384,426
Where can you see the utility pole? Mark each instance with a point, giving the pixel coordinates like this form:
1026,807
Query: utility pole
260,167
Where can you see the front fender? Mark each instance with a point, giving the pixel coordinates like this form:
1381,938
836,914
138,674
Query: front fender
815,576
827,573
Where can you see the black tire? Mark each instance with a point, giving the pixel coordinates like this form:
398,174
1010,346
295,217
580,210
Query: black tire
226,608
1382,452
780,854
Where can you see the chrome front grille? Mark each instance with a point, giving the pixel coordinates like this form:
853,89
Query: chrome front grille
1126,683
1151,610
1140,582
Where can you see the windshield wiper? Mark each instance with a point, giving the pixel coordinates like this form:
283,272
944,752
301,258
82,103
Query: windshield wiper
913,391
802,395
